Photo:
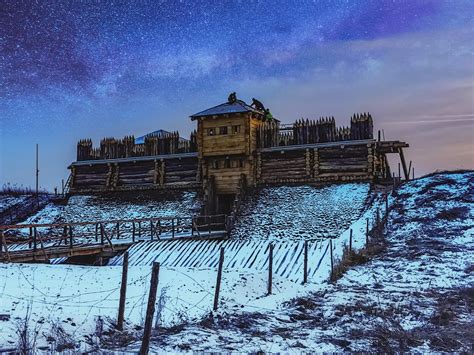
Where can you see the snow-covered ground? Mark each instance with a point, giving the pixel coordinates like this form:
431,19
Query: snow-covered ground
300,212
102,208
416,294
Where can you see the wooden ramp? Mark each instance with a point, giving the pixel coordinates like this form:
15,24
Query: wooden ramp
242,255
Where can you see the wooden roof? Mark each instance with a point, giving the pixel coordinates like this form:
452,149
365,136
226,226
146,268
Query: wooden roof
226,108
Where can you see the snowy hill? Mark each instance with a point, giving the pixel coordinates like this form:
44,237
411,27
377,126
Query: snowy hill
413,294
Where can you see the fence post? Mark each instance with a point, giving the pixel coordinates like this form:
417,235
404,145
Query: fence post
270,269
101,234
96,232
150,309
332,259
123,292
350,241
218,282
386,205
367,233
31,237
172,227
118,231
139,229
151,229
305,262
70,237
133,232
34,239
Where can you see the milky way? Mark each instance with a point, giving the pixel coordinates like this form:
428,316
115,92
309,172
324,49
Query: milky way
92,68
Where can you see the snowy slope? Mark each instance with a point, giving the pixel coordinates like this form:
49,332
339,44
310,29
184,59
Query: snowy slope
416,295
100,208
300,212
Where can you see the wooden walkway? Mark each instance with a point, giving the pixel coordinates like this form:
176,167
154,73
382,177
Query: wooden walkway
45,242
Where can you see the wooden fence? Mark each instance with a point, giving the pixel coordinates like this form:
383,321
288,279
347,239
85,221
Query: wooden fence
272,134
154,144
31,239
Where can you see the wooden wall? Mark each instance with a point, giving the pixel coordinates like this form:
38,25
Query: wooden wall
228,144
138,174
316,164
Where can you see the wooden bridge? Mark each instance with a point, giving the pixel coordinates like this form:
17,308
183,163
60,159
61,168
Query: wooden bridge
102,239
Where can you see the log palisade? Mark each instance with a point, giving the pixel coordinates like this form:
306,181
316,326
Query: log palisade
235,140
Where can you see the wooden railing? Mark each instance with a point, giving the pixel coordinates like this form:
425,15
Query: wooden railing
45,237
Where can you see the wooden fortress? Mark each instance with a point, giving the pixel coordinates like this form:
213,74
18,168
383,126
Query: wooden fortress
236,145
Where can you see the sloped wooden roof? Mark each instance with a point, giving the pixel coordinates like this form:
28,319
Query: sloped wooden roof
238,106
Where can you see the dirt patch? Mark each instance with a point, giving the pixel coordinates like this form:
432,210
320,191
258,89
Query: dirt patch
453,213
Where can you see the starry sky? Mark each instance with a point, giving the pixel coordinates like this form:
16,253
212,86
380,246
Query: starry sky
79,69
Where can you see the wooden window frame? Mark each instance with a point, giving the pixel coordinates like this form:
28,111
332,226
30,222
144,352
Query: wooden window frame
235,129
223,131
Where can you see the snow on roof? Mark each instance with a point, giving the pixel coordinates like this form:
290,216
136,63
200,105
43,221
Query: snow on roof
226,108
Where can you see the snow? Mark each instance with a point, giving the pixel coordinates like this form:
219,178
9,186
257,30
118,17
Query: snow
300,212
7,201
101,208
428,257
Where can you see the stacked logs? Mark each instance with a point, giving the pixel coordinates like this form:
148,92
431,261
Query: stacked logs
305,131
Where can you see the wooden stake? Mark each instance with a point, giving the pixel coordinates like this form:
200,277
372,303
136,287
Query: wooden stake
332,259
367,233
218,282
350,241
150,310
270,269
123,292
34,238
70,237
133,232
305,263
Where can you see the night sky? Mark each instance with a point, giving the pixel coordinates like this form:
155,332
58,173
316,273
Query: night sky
79,69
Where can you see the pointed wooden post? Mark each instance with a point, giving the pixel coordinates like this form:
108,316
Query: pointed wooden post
367,233
305,263
123,292
350,241
70,237
133,232
332,259
270,269
150,310
218,282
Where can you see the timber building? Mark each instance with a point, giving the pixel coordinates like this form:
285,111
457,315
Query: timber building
235,146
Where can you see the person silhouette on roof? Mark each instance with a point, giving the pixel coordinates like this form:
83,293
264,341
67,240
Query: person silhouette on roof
257,105
232,98
268,115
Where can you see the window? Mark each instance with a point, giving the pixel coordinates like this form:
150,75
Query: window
227,163
241,163
235,129
210,131
215,164
223,130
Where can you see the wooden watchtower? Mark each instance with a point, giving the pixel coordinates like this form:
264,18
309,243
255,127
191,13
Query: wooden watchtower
227,144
